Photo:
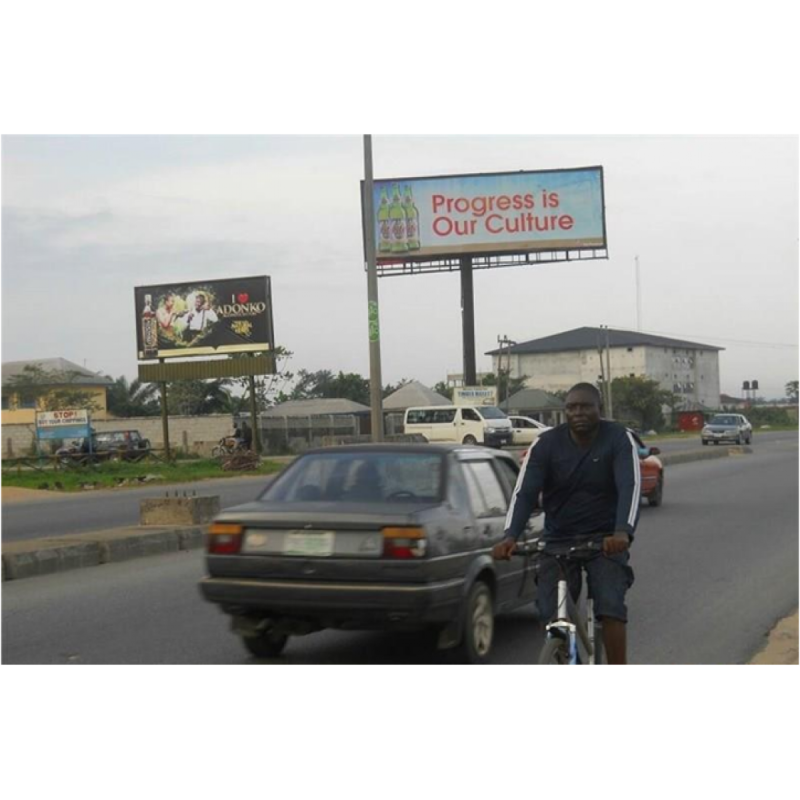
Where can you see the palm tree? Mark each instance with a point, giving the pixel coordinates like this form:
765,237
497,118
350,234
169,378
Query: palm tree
134,399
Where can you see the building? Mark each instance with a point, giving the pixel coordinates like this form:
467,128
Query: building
21,407
555,363
536,404
413,394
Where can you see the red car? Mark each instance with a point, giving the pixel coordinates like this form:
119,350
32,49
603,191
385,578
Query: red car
651,467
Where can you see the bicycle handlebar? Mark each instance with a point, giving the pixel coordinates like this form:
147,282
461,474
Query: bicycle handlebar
541,546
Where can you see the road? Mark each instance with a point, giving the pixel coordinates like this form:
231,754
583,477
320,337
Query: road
92,511
716,567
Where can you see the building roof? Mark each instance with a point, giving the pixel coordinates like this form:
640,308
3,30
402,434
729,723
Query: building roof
73,373
532,400
414,394
316,407
589,338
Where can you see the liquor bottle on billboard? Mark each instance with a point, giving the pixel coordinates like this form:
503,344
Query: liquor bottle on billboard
384,224
397,216
149,328
412,220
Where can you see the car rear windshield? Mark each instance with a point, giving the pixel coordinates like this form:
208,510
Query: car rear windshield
360,478
491,412
724,420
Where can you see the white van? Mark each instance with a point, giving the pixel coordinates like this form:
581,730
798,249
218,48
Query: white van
462,424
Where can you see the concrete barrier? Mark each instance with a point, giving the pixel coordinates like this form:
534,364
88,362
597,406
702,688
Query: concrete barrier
706,454
178,510
30,559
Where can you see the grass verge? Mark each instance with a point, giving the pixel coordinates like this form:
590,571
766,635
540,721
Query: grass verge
112,475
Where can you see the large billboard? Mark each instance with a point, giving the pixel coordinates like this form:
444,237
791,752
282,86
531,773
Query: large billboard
418,219
202,318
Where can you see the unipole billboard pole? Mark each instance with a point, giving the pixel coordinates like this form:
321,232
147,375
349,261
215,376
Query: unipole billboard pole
468,321
608,374
375,382
164,416
254,421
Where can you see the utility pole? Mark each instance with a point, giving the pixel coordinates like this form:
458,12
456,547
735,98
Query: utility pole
509,343
375,382
602,375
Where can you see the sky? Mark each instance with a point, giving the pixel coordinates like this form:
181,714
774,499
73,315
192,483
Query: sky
713,220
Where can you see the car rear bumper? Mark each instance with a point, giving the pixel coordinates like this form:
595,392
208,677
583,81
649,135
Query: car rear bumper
497,439
332,604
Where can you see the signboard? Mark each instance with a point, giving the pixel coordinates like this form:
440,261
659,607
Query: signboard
419,219
201,318
68,424
475,396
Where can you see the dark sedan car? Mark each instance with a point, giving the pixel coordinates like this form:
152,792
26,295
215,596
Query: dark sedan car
373,537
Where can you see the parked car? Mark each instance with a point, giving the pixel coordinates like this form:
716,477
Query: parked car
727,428
465,424
375,537
526,430
128,445
651,468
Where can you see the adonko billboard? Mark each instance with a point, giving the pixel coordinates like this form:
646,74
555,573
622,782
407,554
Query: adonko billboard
201,318
418,219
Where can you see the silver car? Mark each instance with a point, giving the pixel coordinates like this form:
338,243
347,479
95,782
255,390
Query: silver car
374,537
727,428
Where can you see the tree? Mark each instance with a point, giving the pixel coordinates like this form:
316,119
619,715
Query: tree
134,399
51,388
197,397
506,385
269,388
443,389
323,384
391,389
792,391
639,400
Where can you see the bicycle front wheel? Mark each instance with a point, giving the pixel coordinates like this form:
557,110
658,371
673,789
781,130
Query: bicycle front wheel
555,652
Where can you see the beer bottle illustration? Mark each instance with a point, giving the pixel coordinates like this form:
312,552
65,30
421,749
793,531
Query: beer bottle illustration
412,220
149,328
384,224
397,216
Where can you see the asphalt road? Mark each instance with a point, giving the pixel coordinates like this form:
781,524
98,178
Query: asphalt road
716,567
92,511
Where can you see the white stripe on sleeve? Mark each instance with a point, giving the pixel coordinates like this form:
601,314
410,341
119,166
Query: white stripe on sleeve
637,489
520,479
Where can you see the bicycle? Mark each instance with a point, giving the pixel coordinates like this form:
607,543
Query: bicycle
228,446
574,636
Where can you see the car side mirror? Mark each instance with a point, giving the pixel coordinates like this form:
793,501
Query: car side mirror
654,451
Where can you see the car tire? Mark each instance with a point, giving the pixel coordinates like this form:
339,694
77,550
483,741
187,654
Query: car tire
656,497
738,438
478,634
267,645
470,440
704,442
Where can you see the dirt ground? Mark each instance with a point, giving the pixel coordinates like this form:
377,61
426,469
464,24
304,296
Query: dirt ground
782,644
16,494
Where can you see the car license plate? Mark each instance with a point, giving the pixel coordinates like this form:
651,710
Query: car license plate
309,543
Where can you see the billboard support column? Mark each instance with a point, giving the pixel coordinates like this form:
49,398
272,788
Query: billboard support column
468,321
164,416
254,420
375,381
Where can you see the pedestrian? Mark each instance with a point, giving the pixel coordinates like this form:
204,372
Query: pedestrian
247,435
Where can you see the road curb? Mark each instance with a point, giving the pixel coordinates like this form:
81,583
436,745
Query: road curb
687,456
33,558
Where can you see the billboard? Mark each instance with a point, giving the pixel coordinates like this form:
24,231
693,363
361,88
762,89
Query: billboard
475,396
418,219
203,318
67,424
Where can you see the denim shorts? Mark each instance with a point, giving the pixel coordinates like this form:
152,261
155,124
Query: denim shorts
609,578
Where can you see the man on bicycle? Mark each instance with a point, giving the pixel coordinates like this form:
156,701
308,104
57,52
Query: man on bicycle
587,475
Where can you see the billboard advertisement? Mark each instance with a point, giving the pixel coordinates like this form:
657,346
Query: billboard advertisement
203,318
67,424
418,219
475,396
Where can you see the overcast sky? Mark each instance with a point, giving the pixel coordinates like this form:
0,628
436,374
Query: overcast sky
714,221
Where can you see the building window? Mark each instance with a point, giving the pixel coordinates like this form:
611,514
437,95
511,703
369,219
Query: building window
27,402
5,403
630,349
633,375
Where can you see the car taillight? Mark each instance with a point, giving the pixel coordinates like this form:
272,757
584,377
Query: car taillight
224,538
404,542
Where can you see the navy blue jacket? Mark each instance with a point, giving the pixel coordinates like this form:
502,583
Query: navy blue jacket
584,491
